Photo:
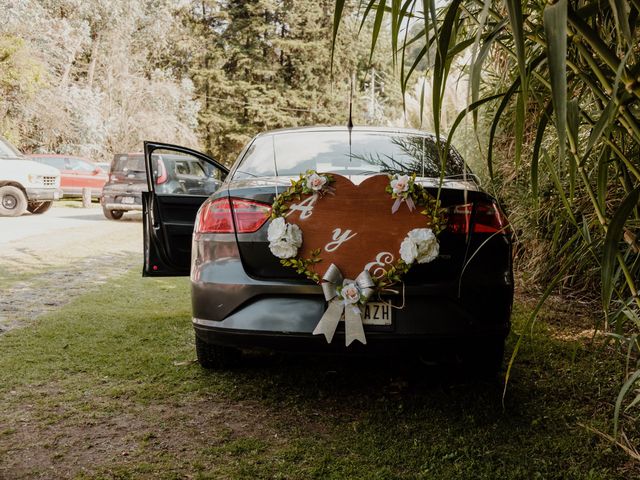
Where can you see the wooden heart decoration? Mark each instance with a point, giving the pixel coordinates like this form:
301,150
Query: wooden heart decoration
352,226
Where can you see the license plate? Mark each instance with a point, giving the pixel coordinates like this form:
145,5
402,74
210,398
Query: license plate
128,200
377,313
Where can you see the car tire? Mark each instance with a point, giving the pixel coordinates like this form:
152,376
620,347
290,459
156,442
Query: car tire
39,207
216,357
113,214
13,201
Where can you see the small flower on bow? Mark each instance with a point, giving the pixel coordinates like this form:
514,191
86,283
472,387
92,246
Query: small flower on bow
350,293
400,184
401,189
346,301
316,182
313,182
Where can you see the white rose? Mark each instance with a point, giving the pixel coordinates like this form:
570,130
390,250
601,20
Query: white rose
420,234
315,182
294,234
283,249
400,184
350,293
408,250
277,229
426,243
284,238
428,252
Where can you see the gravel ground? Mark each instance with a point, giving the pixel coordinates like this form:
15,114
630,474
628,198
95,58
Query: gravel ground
48,260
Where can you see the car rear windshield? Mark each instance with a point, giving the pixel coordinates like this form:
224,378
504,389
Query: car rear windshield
361,153
125,163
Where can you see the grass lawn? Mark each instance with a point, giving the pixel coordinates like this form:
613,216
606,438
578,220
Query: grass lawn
107,387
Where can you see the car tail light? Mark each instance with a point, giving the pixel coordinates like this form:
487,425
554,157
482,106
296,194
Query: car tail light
488,218
215,217
161,174
249,216
218,216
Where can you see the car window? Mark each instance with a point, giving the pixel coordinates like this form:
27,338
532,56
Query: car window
258,160
57,162
189,167
125,163
177,173
80,165
358,153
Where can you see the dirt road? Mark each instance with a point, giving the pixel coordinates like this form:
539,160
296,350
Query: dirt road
48,260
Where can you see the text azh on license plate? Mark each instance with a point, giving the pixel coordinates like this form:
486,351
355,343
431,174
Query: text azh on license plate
377,313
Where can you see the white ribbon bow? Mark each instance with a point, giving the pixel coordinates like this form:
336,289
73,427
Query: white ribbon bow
338,306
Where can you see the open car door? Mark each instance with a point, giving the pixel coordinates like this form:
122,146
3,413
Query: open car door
179,181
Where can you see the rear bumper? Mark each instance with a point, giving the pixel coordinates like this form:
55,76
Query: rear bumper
429,314
378,343
43,194
286,322
77,192
114,200
122,206
281,315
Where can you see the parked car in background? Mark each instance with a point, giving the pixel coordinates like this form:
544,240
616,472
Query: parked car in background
459,305
24,184
175,174
77,173
123,191
105,166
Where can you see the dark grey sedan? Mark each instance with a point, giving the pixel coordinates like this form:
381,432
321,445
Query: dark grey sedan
456,306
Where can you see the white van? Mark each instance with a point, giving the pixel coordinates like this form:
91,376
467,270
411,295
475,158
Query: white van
25,185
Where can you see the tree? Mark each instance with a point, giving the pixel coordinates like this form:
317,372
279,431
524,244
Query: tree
100,89
21,76
264,64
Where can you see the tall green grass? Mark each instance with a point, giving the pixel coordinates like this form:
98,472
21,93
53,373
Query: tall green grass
557,86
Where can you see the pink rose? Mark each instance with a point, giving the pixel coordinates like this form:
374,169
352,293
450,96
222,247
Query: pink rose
315,182
350,293
400,184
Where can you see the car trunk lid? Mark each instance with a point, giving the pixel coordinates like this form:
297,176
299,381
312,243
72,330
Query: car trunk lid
456,245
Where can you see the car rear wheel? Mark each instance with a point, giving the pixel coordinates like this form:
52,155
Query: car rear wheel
39,207
13,201
113,214
216,356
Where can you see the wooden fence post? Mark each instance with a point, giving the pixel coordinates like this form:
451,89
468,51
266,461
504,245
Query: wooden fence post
86,197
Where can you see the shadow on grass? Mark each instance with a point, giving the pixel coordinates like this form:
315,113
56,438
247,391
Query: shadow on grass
402,419
346,388
126,352
359,379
